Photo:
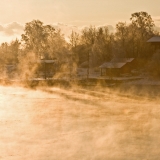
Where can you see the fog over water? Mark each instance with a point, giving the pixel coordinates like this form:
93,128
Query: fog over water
77,124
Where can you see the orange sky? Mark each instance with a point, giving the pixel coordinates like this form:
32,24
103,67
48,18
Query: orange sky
15,13
76,12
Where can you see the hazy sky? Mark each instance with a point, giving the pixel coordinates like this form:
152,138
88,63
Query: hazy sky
76,12
70,13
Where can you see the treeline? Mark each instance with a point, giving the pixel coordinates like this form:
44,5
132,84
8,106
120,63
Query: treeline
96,45
128,40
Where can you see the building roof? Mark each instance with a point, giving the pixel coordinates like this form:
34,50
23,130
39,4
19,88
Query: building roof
122,60
154,39
84,64
112,65
46,61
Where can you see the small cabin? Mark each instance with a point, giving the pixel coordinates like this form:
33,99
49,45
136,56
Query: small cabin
47,68
155,41
112,68
118,66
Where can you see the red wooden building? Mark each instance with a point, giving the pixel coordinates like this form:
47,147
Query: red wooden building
118,66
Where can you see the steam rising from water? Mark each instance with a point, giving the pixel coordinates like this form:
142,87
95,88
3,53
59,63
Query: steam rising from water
58,124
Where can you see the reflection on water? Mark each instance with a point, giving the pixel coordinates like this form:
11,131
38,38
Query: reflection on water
58,124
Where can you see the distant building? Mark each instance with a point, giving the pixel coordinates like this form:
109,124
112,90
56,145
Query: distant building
155,41
47,68
118,66
84,65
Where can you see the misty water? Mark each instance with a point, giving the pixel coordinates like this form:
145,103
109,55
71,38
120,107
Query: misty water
77,124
